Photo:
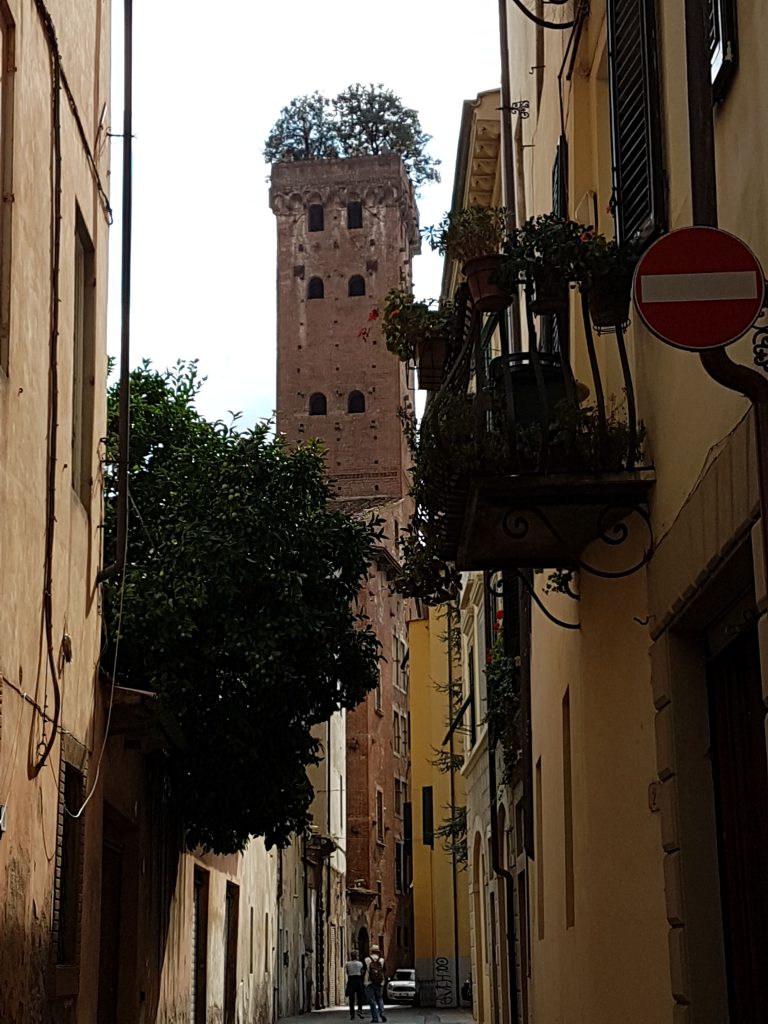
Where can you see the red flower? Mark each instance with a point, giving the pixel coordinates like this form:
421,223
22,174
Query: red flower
362,333
374,314
499,615
488,657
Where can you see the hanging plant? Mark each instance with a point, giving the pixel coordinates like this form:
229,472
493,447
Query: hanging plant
473,237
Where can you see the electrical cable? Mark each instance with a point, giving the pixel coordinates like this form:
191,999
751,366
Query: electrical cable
541,22
45,745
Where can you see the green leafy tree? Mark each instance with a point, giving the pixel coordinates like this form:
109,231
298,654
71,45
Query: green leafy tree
371,120
305,130
237,608
363,120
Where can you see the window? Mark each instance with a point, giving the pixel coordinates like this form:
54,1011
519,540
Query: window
356,285
570,918
318,406
354,215
379,816
471,696
315,217
231,923
356,402
401,879
723,45
315,288
400,664
69,874
427,817
83,356
636,125
399,794
397,744
199,946
377,697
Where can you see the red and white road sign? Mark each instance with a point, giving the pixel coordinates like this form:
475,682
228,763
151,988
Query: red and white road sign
699,288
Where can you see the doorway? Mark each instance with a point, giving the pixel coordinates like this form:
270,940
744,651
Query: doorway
740,781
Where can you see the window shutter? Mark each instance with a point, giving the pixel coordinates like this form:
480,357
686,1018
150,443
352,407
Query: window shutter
560,179
638,174
723,45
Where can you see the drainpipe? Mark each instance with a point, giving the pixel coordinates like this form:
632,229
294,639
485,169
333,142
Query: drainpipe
499,869
717,362
452,779
508,162
124,400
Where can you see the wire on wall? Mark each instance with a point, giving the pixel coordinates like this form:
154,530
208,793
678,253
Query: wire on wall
542,22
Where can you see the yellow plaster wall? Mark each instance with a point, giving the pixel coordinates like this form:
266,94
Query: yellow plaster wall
440,895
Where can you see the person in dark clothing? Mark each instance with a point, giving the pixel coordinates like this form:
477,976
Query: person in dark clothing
354,970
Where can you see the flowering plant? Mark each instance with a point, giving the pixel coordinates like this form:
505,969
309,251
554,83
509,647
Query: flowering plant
406,322
470,233
572,251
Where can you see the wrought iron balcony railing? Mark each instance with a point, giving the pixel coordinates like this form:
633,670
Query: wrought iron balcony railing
524,464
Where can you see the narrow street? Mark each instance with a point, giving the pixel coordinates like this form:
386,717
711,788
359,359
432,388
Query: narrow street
395,1015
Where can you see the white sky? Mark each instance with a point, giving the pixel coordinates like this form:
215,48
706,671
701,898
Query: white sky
209,82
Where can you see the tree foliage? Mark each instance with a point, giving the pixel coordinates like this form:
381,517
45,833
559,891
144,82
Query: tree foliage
237,608
363,120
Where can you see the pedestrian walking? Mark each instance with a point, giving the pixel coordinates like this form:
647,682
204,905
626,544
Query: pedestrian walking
376,975
354,970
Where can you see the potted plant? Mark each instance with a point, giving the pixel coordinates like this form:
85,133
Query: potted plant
545,252
415,330
606,277
473,236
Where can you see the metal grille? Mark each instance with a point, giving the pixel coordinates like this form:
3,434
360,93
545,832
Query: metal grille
635,119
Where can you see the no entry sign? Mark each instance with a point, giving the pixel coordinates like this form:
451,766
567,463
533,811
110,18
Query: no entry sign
699,288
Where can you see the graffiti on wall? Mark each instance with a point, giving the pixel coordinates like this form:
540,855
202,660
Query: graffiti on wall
444,985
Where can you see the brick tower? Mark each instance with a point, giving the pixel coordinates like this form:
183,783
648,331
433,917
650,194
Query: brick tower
346,233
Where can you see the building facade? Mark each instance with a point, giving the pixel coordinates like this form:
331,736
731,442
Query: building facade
346,233
636,817
440,893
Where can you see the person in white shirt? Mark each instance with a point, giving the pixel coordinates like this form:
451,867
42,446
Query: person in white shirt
354,969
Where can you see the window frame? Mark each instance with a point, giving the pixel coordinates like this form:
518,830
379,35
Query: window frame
83,360
314,222
311,411
358,208
379,816
356,294
360,398
315,281
724,56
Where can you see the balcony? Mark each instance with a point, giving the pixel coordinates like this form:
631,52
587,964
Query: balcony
522,463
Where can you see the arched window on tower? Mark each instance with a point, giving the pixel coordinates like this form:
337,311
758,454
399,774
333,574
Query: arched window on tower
356,285
318,406
356,401
315,288
315,217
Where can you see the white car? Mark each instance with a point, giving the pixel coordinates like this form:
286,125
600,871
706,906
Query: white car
402,987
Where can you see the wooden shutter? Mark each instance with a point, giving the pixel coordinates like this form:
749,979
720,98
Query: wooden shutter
723,45
638,176
560,179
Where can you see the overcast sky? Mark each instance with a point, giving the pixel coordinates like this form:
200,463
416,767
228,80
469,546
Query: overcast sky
209,82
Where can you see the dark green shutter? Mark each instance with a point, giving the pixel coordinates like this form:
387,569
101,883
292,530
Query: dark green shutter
638,175
427,817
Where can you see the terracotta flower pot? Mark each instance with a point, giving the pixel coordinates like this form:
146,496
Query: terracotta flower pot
430,362
608,297
481,274
550,292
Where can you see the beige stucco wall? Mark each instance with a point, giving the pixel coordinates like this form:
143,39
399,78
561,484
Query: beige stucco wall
27,850
630,948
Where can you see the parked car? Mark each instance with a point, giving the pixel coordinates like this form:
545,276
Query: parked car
401,988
